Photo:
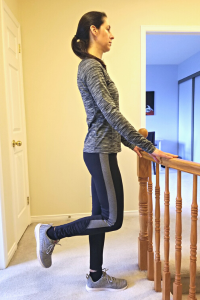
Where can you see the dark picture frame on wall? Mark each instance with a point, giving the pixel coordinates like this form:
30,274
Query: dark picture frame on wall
149,103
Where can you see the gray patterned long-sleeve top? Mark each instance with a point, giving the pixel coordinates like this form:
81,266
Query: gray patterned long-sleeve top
107,127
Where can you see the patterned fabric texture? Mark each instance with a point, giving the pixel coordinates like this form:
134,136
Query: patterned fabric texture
107,127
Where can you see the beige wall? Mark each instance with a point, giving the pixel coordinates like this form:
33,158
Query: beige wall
56,120
55,116
5,142
14,7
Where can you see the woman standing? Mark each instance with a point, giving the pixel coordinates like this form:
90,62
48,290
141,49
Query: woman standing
107,128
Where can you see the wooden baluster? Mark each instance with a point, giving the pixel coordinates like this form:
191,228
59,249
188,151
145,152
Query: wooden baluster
150,253
166,273
177,286
157,262
143,173
143,202
193,242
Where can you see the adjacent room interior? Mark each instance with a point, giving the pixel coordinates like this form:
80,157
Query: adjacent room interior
171,61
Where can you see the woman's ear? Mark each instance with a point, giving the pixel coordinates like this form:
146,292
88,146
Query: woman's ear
93,31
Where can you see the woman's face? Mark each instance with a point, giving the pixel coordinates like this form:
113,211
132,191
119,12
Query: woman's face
104,37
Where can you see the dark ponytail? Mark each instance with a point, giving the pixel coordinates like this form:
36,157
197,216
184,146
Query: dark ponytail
80,41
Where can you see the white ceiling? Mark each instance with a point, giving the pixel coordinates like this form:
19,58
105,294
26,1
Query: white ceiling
170,49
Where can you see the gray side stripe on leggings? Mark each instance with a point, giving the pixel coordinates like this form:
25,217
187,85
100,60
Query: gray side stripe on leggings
112,200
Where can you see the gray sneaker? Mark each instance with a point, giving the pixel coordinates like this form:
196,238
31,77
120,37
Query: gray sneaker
105,283
45,245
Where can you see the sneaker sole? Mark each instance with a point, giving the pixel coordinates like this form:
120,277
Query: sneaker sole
37,237
104,289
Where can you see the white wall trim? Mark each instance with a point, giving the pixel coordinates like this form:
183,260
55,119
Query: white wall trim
156,29
69,217
11,252
3,242
4,255
6,11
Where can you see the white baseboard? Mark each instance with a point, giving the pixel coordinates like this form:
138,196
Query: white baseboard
131,212
68,217
61,217
11,253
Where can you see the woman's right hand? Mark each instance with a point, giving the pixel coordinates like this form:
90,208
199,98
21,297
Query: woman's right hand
158,153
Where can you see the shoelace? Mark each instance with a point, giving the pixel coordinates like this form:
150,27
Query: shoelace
108,277
51,247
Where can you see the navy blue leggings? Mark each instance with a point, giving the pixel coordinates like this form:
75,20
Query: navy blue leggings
107,205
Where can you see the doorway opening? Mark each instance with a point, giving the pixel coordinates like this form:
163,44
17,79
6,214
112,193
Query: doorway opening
168,54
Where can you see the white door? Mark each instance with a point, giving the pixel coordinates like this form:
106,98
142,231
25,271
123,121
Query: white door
16,120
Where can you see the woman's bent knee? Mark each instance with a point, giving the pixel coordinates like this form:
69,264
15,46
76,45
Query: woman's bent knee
117,225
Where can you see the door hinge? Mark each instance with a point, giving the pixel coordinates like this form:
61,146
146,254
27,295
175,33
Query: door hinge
19,48
27,200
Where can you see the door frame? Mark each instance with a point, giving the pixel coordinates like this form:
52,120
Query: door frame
156,29
5,253
3,242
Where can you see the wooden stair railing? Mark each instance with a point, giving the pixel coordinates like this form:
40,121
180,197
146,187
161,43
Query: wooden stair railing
166,273
150,253
146,259
143,174
157,263
193,241
177,286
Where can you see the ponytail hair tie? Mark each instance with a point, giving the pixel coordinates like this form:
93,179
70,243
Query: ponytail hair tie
78,40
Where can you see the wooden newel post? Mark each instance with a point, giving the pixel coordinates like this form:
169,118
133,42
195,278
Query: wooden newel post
143,174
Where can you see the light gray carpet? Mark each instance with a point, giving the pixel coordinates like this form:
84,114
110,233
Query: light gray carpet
26,279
